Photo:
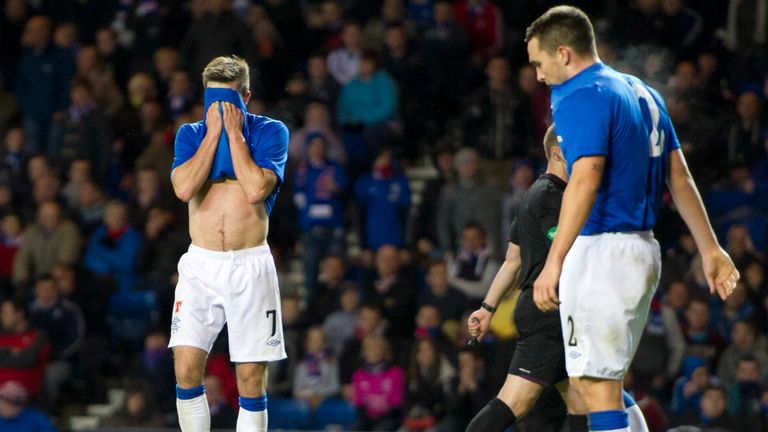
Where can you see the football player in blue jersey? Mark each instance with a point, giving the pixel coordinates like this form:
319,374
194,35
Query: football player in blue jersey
620,148
228,167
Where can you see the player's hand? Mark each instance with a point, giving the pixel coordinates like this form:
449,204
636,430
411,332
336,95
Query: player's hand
233,119
720,272
545,288
478,323
213,118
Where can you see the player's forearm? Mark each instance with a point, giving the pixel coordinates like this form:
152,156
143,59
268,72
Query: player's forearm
255,182
189,177
688,202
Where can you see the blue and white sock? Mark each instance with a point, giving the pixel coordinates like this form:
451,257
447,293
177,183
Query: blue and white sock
192,408
636,419
608,421
253,414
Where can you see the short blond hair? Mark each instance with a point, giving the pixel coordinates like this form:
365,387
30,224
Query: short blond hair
228,69
550,140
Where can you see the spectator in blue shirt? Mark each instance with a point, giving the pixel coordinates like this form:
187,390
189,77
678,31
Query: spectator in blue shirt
370,98
113,247
385,197
366,111
42,84
16,416
319,191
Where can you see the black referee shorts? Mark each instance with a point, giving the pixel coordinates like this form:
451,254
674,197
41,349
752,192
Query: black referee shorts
539,355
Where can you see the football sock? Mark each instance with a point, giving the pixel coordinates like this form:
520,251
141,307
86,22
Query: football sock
577,423
253,414
636,419
494,417
608,421
192,408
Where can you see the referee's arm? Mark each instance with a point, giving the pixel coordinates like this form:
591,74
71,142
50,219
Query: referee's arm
505,277
479,321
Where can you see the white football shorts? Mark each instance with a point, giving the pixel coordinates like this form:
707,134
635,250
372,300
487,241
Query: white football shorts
238,288
606,287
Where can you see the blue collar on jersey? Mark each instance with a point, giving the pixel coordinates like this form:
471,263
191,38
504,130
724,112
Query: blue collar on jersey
224,95
585,77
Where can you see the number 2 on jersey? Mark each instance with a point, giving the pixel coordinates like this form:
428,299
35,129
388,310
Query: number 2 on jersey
656,138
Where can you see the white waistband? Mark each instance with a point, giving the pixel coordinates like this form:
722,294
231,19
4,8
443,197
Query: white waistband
620,236
208,253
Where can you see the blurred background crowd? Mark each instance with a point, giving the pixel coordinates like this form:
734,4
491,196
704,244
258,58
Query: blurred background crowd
416,127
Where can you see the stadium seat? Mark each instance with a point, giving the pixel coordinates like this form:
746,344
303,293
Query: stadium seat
334,412
288,414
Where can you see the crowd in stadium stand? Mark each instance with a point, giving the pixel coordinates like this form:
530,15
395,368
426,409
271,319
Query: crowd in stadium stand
417,126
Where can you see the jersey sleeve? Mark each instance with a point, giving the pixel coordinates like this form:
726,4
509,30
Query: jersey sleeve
670,141
583,123
272,151
185,146
514,232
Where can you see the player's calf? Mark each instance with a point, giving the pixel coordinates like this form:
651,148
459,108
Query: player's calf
251,384
604,400
191,404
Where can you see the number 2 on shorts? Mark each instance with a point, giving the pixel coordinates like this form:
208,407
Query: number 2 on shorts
571,339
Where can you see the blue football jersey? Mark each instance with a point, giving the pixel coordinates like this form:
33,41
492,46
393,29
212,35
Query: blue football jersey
267,142
604,112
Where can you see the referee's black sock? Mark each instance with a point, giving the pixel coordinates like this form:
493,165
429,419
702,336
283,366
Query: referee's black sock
494,417
577,423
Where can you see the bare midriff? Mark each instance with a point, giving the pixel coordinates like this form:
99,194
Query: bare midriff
222,219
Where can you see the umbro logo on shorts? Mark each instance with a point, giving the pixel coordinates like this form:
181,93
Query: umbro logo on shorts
574,354
525,370
273,342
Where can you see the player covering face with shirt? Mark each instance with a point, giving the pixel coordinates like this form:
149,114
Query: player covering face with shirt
620,148
228,167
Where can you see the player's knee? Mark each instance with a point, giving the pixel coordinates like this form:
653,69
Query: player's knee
520,405
598,394
251,380
188,374
574,385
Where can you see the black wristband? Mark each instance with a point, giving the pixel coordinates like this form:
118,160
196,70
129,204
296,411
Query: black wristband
487,307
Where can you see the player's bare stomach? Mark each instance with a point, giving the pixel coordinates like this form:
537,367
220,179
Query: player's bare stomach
222,219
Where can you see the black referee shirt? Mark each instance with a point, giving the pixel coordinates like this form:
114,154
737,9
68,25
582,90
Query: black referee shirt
535,225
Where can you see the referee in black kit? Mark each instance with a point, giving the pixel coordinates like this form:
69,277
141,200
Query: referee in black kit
539,358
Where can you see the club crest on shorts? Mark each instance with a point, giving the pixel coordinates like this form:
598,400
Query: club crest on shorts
551,233
175,324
